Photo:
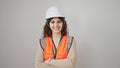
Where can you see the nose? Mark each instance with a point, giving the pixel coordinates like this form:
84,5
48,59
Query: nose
56,24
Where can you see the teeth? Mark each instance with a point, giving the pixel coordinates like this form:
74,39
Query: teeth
56,28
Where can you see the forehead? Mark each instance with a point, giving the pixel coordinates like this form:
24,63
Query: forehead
55,18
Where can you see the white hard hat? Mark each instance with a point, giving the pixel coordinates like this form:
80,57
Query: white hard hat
53,12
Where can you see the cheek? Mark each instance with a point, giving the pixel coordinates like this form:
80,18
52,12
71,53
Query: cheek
50,25
61,25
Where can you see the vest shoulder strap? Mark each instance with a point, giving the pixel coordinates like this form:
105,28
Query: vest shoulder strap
42,43
69,43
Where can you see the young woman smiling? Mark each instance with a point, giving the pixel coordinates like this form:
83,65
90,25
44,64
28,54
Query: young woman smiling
56,49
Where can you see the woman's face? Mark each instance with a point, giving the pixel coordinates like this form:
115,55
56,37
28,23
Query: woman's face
56,25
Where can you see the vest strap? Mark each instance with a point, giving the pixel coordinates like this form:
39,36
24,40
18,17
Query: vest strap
69,43
42,43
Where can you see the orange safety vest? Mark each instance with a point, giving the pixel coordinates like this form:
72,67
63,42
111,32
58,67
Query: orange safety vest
50,51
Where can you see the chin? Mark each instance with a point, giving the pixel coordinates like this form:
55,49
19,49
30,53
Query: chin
56,32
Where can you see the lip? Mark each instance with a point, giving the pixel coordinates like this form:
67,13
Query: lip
56,28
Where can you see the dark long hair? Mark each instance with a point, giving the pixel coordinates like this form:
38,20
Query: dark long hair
48,32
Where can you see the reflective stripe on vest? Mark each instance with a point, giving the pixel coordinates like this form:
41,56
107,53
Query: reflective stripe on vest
49,49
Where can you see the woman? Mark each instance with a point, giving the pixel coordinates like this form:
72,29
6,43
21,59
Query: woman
56,49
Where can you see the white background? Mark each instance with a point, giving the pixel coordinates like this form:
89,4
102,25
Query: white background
95,24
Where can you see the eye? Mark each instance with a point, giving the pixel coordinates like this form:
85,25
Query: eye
59,21
52,22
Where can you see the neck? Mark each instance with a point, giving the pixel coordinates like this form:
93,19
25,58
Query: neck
56,35
56,38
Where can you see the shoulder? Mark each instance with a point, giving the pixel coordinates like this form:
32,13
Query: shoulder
41,38
71,38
